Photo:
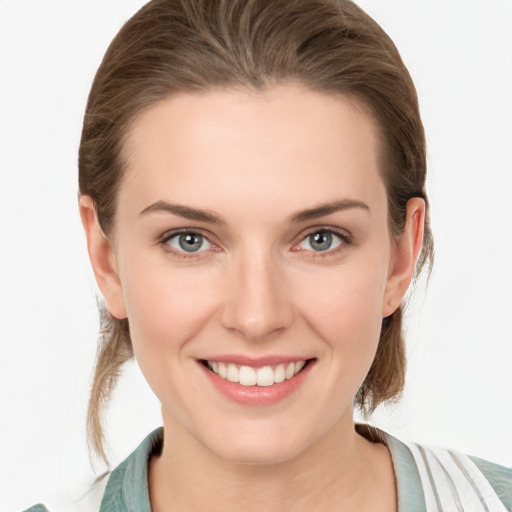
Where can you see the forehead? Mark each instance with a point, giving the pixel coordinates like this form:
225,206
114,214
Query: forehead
284,142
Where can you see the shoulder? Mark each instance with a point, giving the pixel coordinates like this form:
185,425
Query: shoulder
450,480
127,487
500,478
85,497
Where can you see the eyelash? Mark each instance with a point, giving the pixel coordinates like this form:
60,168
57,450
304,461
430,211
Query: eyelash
344,237
166,237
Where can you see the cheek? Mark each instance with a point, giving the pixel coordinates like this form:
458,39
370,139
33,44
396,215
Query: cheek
346,312
166,308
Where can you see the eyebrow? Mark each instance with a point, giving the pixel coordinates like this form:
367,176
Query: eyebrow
186,212
327,209
190,213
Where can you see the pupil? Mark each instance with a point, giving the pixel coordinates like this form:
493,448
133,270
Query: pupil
321,241
190,242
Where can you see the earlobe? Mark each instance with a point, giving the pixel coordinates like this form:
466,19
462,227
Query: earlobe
101,254
405,253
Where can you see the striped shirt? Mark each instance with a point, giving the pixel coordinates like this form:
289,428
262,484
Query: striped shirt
428,480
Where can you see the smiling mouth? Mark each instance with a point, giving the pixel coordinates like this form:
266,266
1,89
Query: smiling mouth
249,376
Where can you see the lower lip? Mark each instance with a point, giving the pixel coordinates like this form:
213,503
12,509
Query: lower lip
257,395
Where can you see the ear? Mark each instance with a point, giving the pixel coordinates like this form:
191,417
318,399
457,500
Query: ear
102,256
404,255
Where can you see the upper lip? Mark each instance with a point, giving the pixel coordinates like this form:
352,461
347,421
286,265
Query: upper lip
256,362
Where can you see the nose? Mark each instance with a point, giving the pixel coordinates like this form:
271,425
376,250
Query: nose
257,302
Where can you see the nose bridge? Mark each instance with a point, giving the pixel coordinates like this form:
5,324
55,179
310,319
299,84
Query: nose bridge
257,303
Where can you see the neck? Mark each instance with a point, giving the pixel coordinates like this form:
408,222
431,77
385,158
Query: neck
342,471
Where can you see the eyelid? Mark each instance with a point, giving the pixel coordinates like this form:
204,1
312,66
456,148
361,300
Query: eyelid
180,231
165,237
343,234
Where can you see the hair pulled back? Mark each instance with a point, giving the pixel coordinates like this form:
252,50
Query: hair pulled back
329,46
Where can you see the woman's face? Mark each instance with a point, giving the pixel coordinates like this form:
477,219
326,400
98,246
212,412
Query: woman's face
251,243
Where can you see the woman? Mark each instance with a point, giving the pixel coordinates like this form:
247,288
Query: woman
252,188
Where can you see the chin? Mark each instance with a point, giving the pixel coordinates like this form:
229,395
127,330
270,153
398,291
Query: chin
260,446
258,454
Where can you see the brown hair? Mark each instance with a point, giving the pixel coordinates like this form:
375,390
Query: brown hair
330,46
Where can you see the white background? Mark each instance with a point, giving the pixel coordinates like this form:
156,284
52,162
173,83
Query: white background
460,343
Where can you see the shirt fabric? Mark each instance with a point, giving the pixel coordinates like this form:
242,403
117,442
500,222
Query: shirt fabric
428,480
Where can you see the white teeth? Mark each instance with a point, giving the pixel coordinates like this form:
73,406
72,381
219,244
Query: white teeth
265,376
248,376
279,374
232,374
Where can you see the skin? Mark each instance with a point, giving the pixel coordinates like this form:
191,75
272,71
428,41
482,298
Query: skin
258,287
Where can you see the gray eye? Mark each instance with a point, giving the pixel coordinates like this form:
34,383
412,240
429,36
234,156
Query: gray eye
321,241
189,242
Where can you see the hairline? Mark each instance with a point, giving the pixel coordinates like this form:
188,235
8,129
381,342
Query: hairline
356,99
